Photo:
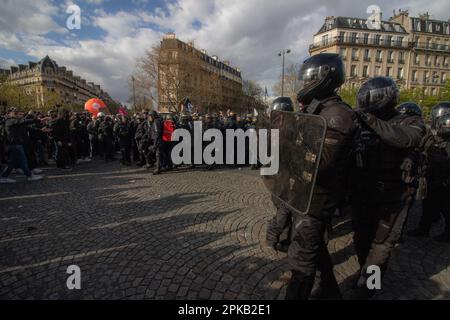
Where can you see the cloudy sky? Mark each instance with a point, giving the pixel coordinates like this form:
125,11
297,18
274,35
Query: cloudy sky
114,33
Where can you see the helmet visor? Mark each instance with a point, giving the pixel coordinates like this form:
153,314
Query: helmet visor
377,98
311,76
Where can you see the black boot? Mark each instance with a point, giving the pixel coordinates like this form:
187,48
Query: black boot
300,286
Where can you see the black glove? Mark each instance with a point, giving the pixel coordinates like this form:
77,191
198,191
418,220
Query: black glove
362,115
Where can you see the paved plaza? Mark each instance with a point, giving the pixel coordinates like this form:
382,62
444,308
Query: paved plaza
183,235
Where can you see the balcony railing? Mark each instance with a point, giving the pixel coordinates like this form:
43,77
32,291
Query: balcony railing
367,59
431,46
360,41
379,60
401,61
390,60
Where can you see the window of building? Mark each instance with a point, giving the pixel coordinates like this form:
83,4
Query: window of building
437,61
378,39
400,73
426,76
353,71
414,76
325,40
365,71
428,60
367,54
446,62
355,54
343,53
434,77
379,56
389,40
353,37
443,77
433,91
390,56
389,72
366,38
341,36
416,59
400,41
401,57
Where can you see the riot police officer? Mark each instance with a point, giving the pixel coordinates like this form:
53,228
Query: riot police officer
381,193
279,229
122,130
141,137
320,77
281,104
106,131
156,136
436,149
409,108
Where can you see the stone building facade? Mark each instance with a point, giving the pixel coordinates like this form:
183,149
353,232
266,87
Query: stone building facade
44,79
187,72
415,51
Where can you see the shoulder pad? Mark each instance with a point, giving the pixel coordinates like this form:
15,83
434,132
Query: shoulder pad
339,116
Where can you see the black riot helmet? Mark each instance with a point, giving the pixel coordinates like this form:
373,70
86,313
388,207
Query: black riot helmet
282,104
153,114
378,96
319,77
438,111
443,126
409,108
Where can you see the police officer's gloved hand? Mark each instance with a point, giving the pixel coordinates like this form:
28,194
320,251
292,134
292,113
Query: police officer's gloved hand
364,116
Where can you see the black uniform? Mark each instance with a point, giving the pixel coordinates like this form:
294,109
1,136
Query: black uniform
308,251
142,141
122,131
382,194
61,135
106,138
437,158
320,76
156,135
134,147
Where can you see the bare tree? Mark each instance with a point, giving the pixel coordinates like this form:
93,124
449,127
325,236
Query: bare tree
253,95
291,82
175,76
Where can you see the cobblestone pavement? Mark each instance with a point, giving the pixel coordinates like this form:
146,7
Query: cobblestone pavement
184,235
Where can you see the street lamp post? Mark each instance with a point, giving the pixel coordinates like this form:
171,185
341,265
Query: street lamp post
282,54
134,94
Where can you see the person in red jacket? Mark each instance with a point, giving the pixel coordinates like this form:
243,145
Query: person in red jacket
169,127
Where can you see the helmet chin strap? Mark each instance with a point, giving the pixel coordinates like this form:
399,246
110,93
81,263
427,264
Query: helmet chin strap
313,107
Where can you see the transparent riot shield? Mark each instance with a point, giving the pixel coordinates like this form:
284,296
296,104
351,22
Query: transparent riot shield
301,140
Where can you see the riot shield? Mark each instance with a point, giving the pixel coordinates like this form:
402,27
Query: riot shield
301,140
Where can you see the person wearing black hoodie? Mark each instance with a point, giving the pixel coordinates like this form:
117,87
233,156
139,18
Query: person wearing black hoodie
16,136
61,135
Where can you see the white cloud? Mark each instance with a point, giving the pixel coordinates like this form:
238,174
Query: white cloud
249,33
6,63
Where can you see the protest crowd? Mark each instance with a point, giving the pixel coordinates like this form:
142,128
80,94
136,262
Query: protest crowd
31,141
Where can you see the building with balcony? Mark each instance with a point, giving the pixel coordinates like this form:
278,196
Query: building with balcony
46,78
413,51
187,72
429,53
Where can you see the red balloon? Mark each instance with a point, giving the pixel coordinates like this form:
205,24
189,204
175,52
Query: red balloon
94,106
